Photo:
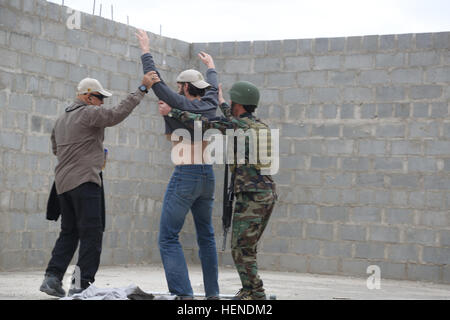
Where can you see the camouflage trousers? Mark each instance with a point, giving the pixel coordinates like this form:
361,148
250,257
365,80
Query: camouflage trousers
252,211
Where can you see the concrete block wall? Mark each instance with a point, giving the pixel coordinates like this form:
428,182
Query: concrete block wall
364,140
41,63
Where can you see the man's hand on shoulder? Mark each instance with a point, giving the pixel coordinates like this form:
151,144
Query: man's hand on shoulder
220,95
164,108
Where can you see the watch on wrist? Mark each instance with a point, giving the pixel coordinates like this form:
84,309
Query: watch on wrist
143,88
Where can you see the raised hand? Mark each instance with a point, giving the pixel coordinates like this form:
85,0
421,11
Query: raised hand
207,60
144,41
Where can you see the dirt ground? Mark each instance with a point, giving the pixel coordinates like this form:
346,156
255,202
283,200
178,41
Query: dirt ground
24,285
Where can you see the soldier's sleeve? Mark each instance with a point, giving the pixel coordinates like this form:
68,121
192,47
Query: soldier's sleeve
226,110
222,124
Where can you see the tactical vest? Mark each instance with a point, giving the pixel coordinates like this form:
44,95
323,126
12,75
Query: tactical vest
261,145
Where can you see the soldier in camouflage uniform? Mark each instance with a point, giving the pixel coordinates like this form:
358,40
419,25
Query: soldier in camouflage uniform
255,193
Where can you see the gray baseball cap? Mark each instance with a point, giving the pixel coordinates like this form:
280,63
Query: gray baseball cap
194,77
89,85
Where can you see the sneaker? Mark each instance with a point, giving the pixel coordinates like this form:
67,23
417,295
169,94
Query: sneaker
52,286
212,298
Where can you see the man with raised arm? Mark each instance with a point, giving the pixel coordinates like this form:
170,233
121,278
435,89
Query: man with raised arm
77,142
192,184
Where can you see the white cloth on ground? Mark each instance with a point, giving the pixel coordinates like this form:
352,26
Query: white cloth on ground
132,292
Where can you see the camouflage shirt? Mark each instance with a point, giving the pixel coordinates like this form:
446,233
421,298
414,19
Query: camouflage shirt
247,177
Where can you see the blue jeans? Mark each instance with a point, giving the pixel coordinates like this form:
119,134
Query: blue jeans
190,187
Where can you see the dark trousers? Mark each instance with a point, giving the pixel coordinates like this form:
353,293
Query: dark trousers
81,221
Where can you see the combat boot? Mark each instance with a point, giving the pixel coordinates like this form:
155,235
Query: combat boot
243,294
258,294
250,294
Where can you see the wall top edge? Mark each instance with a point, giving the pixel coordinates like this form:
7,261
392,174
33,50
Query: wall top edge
20,7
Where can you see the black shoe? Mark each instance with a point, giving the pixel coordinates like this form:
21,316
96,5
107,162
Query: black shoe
52,286
212,298
73,291
77,288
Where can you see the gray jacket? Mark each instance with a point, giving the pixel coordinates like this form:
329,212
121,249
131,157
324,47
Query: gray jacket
77,140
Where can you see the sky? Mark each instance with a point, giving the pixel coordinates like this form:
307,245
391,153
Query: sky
246,20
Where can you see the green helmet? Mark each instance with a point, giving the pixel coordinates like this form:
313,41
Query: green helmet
245,93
